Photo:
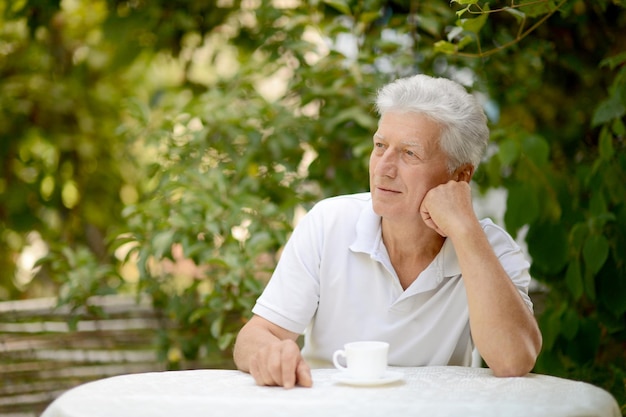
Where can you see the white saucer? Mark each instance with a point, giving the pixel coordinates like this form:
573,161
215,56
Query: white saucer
387,378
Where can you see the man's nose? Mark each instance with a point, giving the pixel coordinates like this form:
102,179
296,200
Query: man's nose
388,164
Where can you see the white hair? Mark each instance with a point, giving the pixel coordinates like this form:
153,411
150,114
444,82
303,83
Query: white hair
464,131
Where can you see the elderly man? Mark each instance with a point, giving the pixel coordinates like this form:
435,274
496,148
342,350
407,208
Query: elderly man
408,263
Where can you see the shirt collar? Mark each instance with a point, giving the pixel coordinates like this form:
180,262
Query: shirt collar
368,231
369,239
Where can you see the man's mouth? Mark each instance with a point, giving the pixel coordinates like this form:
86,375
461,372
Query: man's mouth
388,190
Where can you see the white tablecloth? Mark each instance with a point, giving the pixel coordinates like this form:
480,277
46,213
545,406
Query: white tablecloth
428,391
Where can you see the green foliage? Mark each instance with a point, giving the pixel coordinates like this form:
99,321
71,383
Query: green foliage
61,167
183,137
218,207
561,157
81,275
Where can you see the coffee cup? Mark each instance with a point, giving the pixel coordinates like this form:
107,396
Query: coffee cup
363,360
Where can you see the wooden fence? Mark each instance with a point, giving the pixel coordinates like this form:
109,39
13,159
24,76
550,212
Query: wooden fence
41,357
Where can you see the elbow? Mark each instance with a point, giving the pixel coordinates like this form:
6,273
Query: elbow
521,365
510,370
521,362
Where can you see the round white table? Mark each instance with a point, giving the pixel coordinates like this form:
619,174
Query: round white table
427,391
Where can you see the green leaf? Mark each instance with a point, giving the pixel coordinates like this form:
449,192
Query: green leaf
619,128
612,288
589,283
612,291
548,247
462,11
574,279
569,324
350,115
536,8
609,109
474,25
162,243
17,6
597,204
463,2
522,207
216,327
606,144
517,14
72,322
508,151
217,262
614,61
577,235
465,40
339,5
369,17
536,149
198,314
550,323
595,252
444,47
225,340
587,340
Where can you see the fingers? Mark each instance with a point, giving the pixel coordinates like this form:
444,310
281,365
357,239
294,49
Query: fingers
446,206
427,218
429,221
285,369
303,374
280,364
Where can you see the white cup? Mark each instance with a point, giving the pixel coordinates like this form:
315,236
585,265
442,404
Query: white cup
364,360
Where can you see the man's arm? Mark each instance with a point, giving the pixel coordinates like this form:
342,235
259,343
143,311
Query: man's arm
503,327
271,355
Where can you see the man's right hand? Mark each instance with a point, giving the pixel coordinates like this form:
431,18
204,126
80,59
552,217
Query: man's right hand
280,364
271,355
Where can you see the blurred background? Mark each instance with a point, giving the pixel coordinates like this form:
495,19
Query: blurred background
155,156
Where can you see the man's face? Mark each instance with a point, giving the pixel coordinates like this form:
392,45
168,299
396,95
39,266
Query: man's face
405,164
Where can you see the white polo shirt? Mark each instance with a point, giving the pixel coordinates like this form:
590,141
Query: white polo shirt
335,283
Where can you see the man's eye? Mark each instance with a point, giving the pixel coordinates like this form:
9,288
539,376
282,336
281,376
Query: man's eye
379,147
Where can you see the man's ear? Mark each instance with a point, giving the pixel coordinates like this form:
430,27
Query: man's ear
464,173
